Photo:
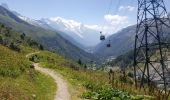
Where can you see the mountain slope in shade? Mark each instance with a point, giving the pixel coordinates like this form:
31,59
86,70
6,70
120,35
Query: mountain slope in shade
121,42
49,39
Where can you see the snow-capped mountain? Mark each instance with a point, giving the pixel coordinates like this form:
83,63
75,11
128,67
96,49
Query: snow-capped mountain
85,35
34,22
29,20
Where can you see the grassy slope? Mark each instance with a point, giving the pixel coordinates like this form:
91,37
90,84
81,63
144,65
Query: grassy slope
81,80
18,81
60,64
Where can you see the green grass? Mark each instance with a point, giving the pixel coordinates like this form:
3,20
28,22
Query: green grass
26,50
12,64
45,87
25,87
19,82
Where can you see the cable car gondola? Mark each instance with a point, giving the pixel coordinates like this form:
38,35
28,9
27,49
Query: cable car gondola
102,37
108,45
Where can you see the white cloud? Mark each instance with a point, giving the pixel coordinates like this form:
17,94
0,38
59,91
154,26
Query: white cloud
93,27
116,19
126,8
115,23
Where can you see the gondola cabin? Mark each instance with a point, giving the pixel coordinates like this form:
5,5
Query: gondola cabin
102,37
108,45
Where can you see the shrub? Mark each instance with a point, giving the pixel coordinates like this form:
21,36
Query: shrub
41,47
1,40
9,72
14,47
22,36
91,86
109,94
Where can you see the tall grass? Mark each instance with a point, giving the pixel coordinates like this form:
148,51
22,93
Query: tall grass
19,82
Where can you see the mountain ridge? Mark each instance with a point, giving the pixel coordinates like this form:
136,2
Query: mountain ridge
49,39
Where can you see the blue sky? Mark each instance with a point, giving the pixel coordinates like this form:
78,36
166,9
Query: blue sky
85,11
89,12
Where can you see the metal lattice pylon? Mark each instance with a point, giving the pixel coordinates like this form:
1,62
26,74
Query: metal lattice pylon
152,44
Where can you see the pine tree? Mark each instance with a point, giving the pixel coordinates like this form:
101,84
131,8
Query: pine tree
79,62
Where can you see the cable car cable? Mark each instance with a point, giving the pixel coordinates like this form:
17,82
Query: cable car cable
108,11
